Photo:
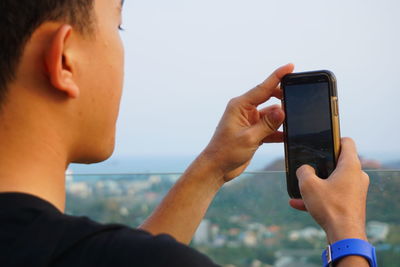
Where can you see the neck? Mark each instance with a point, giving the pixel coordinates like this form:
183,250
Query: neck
25,176
32,159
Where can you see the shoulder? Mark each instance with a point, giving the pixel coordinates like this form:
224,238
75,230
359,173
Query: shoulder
124,246
167,249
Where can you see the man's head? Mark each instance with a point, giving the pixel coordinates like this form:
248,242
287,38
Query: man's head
61,72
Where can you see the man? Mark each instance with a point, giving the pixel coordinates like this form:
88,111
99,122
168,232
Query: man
61,73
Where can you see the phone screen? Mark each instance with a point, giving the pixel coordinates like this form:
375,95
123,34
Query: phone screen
309,127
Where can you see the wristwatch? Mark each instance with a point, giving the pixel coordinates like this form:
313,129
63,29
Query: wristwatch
349,247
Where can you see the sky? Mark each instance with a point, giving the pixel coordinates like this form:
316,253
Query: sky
185,59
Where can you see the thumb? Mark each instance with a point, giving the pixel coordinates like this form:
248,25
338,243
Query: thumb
271,119
307,178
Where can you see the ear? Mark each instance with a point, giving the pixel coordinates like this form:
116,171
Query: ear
58,63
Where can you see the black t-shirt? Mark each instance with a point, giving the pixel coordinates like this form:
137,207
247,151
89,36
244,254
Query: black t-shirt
34,233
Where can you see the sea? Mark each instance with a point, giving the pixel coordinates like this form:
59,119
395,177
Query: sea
153,164
177,164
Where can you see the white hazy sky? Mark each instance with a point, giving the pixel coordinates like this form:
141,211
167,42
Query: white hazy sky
185,59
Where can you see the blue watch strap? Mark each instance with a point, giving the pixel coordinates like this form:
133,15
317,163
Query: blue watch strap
348,247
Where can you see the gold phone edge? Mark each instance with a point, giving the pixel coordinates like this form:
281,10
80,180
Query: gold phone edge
336,127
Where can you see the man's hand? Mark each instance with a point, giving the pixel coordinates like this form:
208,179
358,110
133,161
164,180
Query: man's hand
243,128
338,203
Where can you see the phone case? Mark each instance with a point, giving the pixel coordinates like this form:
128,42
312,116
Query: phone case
292,184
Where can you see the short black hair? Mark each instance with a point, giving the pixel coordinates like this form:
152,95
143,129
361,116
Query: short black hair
20,18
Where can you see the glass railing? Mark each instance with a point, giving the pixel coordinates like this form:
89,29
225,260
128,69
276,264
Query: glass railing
249,222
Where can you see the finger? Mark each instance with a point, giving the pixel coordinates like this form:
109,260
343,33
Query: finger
266,110
348,155
265,90
298,204
278,93
270,121
276,137
307,178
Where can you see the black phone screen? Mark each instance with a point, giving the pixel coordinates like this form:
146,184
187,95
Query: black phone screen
309,128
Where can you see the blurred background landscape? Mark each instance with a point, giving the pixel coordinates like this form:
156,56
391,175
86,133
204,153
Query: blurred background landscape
249,224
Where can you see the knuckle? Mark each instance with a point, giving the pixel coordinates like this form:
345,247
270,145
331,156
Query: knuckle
306,185
305,177
354,165
249,139
268,125
365,177
233,102
305,181
260,86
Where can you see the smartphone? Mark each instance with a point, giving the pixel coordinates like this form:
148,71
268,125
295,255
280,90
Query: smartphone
311,127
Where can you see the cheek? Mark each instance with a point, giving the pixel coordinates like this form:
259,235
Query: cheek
105,79
118,72
116,61
115,74
120,67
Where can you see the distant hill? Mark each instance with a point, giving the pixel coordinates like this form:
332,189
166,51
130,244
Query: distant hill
264,199
393,165
367,164
276,165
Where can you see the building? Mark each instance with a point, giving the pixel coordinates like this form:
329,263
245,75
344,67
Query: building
202,235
